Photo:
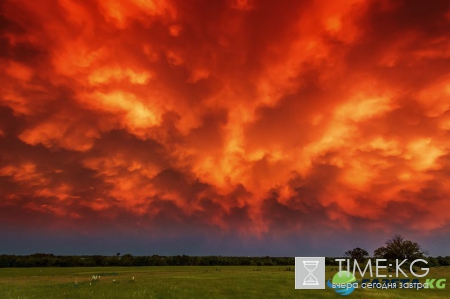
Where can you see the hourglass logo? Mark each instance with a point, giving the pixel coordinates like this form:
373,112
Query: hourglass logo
310,273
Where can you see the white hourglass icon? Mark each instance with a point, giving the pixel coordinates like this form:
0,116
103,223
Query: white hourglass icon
310,279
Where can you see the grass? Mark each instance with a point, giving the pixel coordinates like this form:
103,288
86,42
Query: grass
182,282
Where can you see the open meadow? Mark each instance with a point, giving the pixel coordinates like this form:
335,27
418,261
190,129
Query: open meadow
182,282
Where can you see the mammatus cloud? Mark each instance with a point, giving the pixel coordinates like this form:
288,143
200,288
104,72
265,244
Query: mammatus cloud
252,117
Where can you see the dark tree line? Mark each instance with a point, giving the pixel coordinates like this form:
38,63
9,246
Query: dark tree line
395,248
50,260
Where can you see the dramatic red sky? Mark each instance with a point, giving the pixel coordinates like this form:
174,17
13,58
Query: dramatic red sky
223,127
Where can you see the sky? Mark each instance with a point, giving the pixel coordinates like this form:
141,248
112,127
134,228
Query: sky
228,127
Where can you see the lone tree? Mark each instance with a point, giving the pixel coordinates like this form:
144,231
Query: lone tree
358,254
399,248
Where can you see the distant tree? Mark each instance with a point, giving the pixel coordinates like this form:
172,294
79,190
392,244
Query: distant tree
127,260
399,248
358,254
444,261
433,262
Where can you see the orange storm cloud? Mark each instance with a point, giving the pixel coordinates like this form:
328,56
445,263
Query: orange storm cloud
254,116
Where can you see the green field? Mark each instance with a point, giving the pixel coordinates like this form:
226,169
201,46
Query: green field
182,282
